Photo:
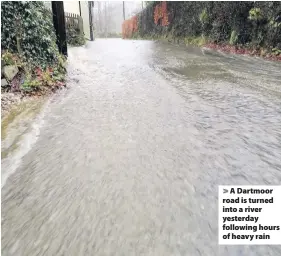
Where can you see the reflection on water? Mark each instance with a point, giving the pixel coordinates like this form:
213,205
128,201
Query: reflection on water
129,159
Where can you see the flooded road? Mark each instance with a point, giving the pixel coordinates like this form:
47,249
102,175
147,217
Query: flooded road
128,160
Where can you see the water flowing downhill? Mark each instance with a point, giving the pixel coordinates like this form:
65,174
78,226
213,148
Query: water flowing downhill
128,159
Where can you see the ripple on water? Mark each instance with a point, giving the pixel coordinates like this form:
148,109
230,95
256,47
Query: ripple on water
130,157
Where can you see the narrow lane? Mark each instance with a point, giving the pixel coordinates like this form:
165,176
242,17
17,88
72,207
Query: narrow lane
127,160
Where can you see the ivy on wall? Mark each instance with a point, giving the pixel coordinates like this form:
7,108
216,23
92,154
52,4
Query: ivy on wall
27,29
28,43
237,23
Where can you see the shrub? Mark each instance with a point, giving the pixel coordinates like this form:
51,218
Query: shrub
74,37
30,84
29,42
233,38
276,51
203,17
38,79
254,23
8,58
196,41
255,14
27,29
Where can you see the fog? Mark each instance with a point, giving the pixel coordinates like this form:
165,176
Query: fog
108,16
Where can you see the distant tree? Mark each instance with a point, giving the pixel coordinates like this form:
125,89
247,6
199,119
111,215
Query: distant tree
124,10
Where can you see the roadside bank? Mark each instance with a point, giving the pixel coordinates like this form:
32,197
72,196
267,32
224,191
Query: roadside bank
249,28
21,83
31,65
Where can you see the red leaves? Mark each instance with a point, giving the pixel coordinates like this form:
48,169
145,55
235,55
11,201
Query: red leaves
129,27
161,13
38,72
47,78
59,84
50,70
238,50
15,58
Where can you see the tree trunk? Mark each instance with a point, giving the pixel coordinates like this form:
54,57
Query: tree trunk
123,10
105,18
91,6
99,16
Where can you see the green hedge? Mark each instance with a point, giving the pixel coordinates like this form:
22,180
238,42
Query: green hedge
27,29
254,23
74,37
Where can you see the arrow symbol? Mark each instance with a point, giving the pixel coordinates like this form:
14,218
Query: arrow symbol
225,190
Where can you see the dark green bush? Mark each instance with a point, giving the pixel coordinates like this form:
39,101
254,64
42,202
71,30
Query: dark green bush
27,29
74,37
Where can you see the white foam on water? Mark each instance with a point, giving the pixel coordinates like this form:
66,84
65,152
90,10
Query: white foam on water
13,160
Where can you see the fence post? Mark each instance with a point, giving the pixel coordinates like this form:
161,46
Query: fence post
59,24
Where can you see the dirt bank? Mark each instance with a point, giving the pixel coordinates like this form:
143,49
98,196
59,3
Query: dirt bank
10,100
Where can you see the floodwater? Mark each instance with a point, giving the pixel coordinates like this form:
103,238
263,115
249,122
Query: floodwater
128,159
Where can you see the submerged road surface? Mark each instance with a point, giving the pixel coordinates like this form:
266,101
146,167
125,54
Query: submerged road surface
128,160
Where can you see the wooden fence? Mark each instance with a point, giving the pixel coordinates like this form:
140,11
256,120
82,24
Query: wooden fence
74,21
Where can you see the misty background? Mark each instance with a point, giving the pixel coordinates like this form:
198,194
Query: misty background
108,16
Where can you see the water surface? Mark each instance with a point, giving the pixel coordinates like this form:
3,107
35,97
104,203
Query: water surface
128,160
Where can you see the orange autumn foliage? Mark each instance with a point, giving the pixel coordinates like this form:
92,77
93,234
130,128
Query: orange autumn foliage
129,27
161,13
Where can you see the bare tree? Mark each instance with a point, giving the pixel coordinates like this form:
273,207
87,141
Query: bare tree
99,17
124,10
105,18
109,16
